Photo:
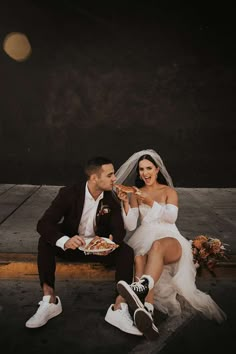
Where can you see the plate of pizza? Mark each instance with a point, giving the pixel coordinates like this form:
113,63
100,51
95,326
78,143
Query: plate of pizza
98,244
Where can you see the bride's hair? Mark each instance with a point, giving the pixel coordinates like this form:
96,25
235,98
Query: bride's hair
138,181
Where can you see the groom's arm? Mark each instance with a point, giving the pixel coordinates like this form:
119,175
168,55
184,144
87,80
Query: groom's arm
48,225
117,224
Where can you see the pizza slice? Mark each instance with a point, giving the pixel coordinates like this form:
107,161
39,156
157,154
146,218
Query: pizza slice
99,243
127,189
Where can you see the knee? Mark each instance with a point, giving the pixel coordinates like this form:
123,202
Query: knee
156,246
43,245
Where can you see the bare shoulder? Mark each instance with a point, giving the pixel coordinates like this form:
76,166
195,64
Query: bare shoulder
171,190
166,189
172,195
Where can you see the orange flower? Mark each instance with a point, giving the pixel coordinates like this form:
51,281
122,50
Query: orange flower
199,241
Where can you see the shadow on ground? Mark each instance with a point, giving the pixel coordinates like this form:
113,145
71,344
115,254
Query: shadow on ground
81,327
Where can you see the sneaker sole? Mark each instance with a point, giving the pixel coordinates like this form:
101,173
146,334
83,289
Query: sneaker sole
145,324
42,324
129,295
122,329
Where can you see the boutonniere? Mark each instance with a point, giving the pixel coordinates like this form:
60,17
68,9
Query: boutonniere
104,209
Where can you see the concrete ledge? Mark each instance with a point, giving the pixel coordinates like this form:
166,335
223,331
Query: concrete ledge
24,266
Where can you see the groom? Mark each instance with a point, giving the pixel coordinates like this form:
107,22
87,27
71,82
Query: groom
78,211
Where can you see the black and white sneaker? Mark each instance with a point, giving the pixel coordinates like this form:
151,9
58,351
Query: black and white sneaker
144,322
135,293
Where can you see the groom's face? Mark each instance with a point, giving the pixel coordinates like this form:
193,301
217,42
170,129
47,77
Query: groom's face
105,178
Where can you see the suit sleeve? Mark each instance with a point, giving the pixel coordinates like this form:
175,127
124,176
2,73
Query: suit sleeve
48,225
117,225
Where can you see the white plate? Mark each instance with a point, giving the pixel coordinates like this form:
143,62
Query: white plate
87,240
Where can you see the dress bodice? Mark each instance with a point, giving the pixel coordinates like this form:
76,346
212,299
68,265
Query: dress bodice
145,209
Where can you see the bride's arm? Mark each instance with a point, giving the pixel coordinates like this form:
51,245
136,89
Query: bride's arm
130,212
167,212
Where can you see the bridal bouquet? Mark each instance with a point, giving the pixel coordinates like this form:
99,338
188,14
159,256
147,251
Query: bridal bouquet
207,251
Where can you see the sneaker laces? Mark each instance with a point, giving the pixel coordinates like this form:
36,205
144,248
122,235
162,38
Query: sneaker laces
138,286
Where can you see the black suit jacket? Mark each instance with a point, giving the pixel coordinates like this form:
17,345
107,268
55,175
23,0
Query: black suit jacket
64,214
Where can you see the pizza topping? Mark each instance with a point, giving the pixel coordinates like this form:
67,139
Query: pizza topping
99,243
125,189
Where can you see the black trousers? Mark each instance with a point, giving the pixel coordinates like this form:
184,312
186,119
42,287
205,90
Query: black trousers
122,259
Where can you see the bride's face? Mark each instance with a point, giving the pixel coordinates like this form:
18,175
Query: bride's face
148,172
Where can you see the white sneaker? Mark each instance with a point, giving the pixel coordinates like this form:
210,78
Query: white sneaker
45,312
121,319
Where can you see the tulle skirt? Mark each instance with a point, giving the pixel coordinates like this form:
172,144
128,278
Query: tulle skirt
177,278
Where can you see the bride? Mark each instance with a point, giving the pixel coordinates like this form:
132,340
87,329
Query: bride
163,257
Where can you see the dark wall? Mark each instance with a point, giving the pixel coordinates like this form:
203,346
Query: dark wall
115,78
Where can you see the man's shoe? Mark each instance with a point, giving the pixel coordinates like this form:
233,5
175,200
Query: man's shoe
135,293
145,324
121,319
45,312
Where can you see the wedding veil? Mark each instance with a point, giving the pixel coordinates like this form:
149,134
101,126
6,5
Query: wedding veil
127,172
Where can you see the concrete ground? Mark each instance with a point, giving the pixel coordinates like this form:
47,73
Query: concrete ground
86,290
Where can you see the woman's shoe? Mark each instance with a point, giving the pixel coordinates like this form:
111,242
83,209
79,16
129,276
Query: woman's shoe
145,324
135,293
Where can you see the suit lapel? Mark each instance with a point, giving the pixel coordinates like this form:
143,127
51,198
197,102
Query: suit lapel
80,201
97,212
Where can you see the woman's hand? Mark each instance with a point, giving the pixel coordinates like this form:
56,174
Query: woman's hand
143,197
122,196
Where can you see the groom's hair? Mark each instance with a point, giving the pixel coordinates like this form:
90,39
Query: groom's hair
94,165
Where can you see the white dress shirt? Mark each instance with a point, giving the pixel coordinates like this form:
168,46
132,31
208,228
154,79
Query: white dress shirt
88,218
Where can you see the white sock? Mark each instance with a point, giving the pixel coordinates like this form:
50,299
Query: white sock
150,280
149,307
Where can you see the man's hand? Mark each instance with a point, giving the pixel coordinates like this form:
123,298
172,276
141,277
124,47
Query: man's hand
74,242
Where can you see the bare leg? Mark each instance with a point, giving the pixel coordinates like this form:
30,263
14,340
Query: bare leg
164,251
150,296
140,262
48,290
118,301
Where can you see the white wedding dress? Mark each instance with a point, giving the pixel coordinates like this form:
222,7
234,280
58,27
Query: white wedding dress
176,278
